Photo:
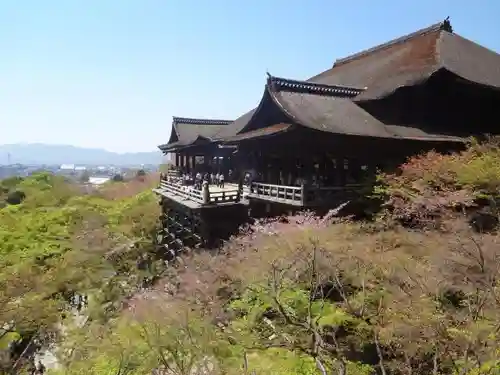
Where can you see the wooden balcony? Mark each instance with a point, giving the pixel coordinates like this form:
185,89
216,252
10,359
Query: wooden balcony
302,196
195,198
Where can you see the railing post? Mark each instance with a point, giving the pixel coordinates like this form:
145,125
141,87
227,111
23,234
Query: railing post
205,192
240,189
303,192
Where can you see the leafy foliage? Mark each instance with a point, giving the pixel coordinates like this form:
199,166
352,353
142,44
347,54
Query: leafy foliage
430,188
294,296
117,178
55,244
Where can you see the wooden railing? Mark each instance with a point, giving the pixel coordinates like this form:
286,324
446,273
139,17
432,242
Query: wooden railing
303,195
173,173
182,192
199,196
280,193
224,196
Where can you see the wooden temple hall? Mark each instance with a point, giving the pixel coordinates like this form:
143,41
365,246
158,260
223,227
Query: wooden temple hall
313,143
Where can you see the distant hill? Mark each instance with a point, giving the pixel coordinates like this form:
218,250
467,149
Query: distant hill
37,153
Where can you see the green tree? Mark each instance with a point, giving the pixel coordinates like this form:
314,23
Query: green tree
15,197
117,178
84,177
61,242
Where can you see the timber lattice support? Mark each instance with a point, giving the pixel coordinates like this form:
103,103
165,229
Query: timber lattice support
179,229
182,227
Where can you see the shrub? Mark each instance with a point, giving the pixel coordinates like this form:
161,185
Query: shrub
431,187
10,183
117,178
16,197
84,177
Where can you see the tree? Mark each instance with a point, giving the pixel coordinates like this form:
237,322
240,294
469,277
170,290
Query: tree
15,197
56,247
141,175
117,178
84,177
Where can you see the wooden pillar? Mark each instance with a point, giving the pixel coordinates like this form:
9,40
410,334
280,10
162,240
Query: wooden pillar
205,193
205,232
210,161
206,158
341,171
304,193
188,164
355,170
183,162
267,171
193,162
240,187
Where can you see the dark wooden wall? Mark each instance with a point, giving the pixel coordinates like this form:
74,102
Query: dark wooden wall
305,152
443,104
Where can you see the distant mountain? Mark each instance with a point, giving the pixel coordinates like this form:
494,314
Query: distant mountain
38,153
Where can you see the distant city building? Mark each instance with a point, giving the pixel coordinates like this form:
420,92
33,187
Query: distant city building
98,180
67,167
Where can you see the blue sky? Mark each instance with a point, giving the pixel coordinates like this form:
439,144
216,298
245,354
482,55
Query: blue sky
112,73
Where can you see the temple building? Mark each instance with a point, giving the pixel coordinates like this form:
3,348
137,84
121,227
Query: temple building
190,137
310,142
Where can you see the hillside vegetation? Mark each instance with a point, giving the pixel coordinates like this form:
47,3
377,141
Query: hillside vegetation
413,291
54,243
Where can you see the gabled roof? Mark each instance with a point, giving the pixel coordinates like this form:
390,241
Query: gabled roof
376,73
322,107
275,84
267,131
188,131
412,59
331,109
236,126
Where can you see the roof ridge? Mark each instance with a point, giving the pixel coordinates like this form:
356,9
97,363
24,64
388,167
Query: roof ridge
285,84
441,26
199,121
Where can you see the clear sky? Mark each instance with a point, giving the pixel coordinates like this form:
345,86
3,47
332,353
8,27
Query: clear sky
112,73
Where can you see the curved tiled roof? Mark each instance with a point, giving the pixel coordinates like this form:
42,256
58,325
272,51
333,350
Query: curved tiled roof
412,59
186,131
283,84
327,102
333,110
327,108
236,126
260,133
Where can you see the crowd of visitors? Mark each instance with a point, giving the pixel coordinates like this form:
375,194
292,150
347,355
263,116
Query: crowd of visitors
196,179
212,179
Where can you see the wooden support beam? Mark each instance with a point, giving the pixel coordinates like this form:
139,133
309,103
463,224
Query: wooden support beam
193,162
342,166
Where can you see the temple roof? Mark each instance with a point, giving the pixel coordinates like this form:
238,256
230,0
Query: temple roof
327,102
260,133
236,126
412,59
330,108
187,131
